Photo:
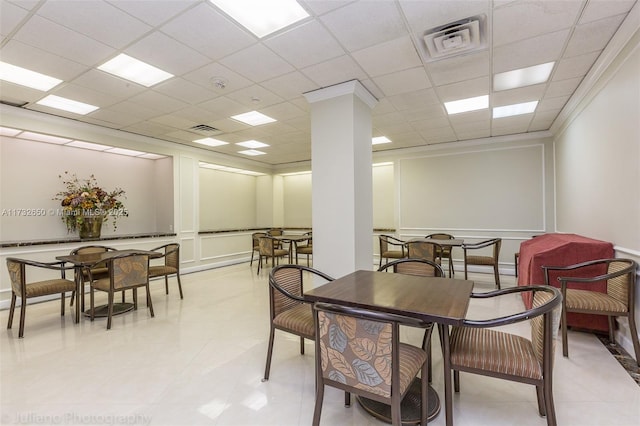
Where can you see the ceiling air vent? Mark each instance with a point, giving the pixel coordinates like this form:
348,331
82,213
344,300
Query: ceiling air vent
203,129
455,38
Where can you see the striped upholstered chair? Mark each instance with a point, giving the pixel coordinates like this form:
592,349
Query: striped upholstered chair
359,351
288,311
476,348
618,301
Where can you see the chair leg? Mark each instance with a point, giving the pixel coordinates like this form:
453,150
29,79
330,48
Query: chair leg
259,263
110,309
252,252
267,368
179,286
317,411
549,406
424,397
166,284
23,313
456,380
12,309
634,337
540,397
149,303
62,304
347,399
496,274
465,269
302,346
563,328
91,304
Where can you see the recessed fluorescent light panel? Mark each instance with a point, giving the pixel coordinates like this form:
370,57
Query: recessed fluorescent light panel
253,118
522,77
466,105
263,17
210,142
25,77
251,152
123,151
380,139
150,156
39,137
252,144
134,70
65,104
515,109
229,169
89,145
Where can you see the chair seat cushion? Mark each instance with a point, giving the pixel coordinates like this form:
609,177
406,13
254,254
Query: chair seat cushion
305,250
411,360
280,252
161,270
495,351
299,320
480,260
593,301
42,288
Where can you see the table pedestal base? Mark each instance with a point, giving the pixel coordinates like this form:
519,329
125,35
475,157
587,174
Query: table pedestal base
103,310
409,407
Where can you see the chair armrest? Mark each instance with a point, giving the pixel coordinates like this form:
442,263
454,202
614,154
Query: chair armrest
57,265
479,245
274,284
365,313
520,316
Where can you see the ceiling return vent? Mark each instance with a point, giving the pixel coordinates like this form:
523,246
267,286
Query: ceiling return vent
204,130
456,38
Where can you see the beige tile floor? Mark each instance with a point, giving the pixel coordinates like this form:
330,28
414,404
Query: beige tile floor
200,361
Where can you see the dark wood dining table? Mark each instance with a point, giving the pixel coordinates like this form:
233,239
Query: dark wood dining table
86,260
443,301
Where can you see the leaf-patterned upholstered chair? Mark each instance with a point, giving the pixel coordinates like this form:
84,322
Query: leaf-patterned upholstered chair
618,301
288,311
483,259
126,271
269,249
424,249
359,351
255,244
476,348
99,270
422,268
25,290
391,248
171,256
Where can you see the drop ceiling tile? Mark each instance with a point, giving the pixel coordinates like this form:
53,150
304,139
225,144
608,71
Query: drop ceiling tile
208,75
10,16
136,110
465,89
87,17
394,117
598,9
388,57
430,123
291,85
257,63
533,51
283,111
474,133
179,88
403,81
334,71
223,107
161,11
459,68
302,123
116,117
305,45
383,107
197,114
577,66
59,40
439,135
18,94
149,128
26,56
541,17
163,52
84,94
562,87
320,7
108,83
519,95
520,122
592,37
351,24
255,97
171,120
431,111
552,104
159,102
207,31
372,88
480,118
418,99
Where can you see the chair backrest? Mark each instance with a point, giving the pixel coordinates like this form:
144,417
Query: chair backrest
420,267
386,240
255,239
16,275
275,232
128,271
172,255
423,250
357,350
622,284
538,329
91,249
266,245
440,236
286,285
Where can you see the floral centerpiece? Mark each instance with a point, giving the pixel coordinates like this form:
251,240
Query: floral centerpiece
85,203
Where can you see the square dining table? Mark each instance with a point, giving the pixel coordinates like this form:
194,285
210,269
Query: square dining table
443,301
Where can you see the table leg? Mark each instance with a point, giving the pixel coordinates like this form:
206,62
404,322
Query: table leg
77,272
448,401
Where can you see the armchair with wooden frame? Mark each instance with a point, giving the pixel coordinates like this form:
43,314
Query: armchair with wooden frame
483,259
269,250
445,252
288,310
22,288
391,248
476,347
171,265
98,271
618,300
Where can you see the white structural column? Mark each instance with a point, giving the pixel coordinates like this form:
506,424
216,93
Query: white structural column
341,158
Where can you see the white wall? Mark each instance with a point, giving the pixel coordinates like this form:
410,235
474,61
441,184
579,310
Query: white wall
227,200
598,165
